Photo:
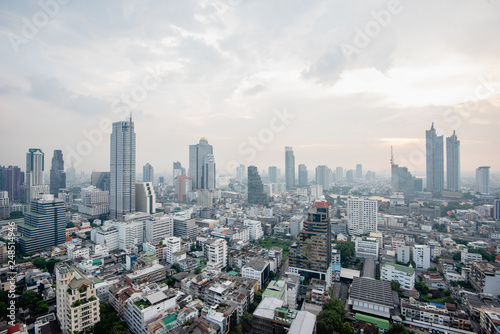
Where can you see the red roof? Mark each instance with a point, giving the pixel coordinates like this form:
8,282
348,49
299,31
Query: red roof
321,204
68,239
497,257
13,329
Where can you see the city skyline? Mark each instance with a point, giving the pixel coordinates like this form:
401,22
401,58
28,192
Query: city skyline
188,66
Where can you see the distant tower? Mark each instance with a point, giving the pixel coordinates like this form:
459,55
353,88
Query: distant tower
12,183
240,173
303,181
453,163
483,179
122,176
148,173
434,161
57,174
289,168
359,171
272,173
323,177
202,165
178,170
256,193
35,166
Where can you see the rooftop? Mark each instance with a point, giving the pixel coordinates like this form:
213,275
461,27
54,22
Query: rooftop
370,290
400,267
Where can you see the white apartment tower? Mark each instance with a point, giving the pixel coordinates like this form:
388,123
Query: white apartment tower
216,253
362,215
422,256
172,245
77,302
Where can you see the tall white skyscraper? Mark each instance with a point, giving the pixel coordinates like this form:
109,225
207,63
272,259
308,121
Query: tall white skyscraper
35,166
148,173
452,163
483,179
362,215
289,168
202,165
122,169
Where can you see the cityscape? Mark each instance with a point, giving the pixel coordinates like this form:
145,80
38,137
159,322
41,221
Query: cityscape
311,195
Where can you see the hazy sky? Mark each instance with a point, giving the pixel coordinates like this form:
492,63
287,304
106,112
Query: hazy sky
339,81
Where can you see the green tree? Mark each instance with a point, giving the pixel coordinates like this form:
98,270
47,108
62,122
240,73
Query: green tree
347,250
398,329
51,264
16,214
331,318
42,307
70,225
247,318
197,270
28,298
395,285
347,328
422,288
3,309
40,263
110,322
177,267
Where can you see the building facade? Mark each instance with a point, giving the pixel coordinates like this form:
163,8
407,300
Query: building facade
289,168
362,215
434,161
256,193
202,165
57,174
453,163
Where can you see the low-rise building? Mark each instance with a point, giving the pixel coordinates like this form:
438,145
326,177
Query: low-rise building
257,269
371,296
405,276
485,277
431,314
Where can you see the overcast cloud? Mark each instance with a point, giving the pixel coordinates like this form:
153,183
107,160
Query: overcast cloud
225,69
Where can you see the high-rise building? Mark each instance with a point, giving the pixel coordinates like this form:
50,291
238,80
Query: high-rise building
182,185
145,198
339,174
303,181
483,179
101,180
359,171
44,226
289,168
35,166
205,198
240,173
434,161
148,173
272,173
77,301
57,174
422,256
311,254
496,209
178,170
256,193
12,183
122,180
362,215
202,165
401,180
323,177
453,163
349,176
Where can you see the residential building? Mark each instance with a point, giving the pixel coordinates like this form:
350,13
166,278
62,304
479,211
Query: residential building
272,173
148,173
172,245
183,185
57,175
257,269
422,256
145,198
323,177
215,251
44,226
77,302
95,201
359,171
158,228
296,224
202,165
434,161
289,168
448,316
366,247
435,248
129,233
453,163
403,254
255,229
485,277
184,227
362,215
122,167
106,235
490,320
405,276
310,256
483,179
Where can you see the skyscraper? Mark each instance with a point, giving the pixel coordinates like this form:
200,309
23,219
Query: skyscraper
339,174
453,163
148,173
359,171
323,176
240,173
483,179
145,197
101,180
289,168
178,170
311,254
35,166
303,181
401,179
272,172
44,226
256,193
202,165
362,215
12,183
349,176
57,174
434,161
122,169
